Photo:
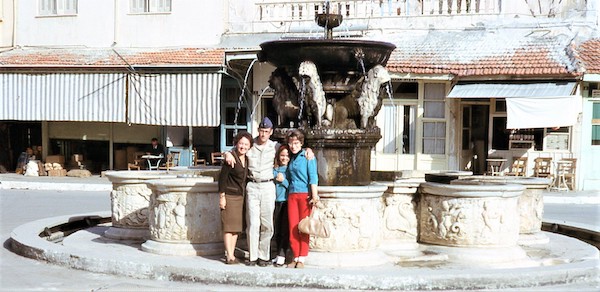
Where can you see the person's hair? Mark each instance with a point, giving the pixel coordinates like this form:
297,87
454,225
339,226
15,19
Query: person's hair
241,135
295,134
154,139
281,148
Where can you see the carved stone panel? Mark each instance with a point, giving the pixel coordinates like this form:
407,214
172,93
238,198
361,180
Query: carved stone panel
531,211
399,217
354,224
468,221
185,213
129,205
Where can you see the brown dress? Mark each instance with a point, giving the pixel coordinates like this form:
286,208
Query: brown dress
232,182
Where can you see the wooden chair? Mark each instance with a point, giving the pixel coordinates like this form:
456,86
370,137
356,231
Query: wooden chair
196,160
519,167
137,162
172,161
216,158
542,167
569,173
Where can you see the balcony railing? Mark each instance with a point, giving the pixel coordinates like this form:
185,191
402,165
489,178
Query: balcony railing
350,9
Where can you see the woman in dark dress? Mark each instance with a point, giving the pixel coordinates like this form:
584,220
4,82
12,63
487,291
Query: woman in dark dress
232,186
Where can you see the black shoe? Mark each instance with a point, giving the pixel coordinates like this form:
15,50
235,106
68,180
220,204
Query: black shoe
251,263
263,263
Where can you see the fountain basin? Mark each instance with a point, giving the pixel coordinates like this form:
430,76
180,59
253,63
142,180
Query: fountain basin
469,215
184,217
130,199
338,55
353,215
530,204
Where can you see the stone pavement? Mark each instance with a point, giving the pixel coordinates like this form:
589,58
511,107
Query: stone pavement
210,270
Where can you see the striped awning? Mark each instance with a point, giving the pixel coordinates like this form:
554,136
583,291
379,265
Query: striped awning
175,99
166,99
93,97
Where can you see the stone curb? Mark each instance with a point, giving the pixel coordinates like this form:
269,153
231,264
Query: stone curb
25,241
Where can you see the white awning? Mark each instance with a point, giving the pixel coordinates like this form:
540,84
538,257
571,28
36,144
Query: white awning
532,105
175,99
94,97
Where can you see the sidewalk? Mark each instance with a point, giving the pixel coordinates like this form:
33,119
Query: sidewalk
97,183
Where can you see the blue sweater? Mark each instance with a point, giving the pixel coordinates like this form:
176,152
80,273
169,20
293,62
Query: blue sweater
281,187
301,173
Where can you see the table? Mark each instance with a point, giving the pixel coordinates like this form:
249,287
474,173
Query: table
496,165
149,159
559,183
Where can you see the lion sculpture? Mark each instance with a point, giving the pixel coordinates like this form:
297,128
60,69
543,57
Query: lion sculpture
363,104
285,98
315,95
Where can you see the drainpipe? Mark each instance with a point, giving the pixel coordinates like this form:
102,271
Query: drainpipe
14,28
116,22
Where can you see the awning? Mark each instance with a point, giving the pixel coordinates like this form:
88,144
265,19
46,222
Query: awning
178,99
530,105
94,97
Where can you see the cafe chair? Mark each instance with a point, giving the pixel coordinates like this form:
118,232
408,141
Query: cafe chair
569,173
542,167
172,161
216,158
196,158
137,162
519,167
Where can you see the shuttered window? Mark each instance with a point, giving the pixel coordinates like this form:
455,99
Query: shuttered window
149,6
57,7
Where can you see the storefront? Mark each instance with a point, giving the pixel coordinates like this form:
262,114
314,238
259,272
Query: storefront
513,120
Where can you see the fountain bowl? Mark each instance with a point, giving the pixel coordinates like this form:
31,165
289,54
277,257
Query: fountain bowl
338,55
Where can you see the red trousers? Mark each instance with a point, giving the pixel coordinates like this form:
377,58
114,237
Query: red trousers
298,210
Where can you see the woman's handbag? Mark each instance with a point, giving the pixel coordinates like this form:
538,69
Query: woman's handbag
314,226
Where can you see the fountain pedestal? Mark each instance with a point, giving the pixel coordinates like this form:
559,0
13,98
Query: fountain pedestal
130,199
343,156
184,217
353,214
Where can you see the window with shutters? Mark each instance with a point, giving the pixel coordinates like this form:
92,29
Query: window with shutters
57,7
149,6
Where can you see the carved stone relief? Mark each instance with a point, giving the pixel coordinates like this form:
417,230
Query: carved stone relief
129,204
355,224
168,217
185,216
486,221
531,211
399,217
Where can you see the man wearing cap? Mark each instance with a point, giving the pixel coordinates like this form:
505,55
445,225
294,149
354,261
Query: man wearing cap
260,193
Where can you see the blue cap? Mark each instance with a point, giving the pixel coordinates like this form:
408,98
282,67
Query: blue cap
266,124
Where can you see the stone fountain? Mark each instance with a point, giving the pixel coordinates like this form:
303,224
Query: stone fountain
332,89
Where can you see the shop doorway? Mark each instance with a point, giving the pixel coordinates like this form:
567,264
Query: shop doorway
474,145
15,138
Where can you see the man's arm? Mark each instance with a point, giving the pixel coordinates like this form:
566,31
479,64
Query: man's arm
229,159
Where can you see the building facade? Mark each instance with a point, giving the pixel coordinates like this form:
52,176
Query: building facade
471,79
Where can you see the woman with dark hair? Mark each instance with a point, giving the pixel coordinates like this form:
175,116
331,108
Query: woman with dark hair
303,179
280,215
232,186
